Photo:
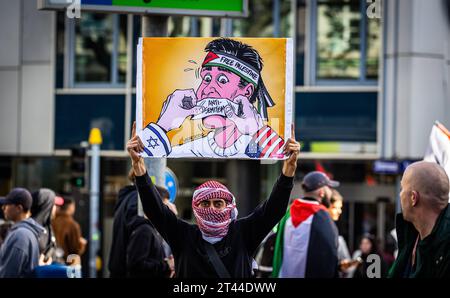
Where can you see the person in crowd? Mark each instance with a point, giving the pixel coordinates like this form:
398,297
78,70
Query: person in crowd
148,255
335,210
368,246
264,257
388,254
164,193
423,227
5,226
43,211
19,253
67,230
137,249
219,245
307,238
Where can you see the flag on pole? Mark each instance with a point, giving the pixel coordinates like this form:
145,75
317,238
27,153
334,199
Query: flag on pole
438,150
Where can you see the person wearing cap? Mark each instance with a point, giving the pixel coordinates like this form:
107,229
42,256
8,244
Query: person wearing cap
307,239
220,244
231,101
19,254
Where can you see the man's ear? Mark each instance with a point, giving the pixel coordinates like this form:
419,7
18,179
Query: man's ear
415,196
322,192
19,208
249,90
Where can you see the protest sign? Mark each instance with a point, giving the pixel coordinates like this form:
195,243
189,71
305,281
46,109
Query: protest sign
214,97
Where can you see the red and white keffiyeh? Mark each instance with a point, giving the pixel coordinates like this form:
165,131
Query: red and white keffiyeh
213,223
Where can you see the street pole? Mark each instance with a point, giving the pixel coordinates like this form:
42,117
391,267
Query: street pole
95,140
154,26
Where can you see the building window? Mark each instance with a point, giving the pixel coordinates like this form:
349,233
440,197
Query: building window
97,50
345,43
267,18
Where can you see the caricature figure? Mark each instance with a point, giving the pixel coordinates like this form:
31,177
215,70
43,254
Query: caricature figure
231,73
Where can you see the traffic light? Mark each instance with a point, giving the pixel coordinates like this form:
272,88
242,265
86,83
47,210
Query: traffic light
78,166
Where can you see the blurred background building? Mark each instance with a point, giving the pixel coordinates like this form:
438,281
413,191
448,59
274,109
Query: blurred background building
368,88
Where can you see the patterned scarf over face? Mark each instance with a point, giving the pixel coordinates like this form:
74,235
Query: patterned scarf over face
213,223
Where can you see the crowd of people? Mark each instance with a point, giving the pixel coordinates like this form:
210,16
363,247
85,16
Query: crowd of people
38,234
281,238
302,242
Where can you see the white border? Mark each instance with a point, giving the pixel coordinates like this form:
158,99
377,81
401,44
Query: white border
139,87
289,93
288,97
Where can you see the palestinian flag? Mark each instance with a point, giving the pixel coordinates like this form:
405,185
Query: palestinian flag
306,244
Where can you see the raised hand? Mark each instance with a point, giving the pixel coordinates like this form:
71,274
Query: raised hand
134,148
292,149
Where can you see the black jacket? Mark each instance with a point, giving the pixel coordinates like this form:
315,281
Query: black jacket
432,253
41,212
137,249
145,252
236,249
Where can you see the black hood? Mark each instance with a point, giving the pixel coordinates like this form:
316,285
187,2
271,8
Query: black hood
41,212
126,207
125,220
130,208
41,209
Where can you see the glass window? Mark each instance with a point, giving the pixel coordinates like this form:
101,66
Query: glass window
181,26
259,22
373,48
340,122
93,47
345,42
75,115
99,49
60,48
300,23
122,49
286,19
338,42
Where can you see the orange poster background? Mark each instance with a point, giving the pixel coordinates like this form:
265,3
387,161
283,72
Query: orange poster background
165,68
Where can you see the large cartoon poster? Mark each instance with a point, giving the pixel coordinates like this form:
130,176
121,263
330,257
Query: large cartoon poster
214,97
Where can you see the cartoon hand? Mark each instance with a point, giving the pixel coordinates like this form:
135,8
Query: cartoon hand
247,119
177,107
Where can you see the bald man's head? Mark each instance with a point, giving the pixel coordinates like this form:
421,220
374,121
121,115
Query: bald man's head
429,182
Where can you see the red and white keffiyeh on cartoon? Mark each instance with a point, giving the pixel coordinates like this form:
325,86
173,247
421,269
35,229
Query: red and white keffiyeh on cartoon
214,223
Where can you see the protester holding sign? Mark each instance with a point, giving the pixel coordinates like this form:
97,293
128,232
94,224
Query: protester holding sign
220,245
19,254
